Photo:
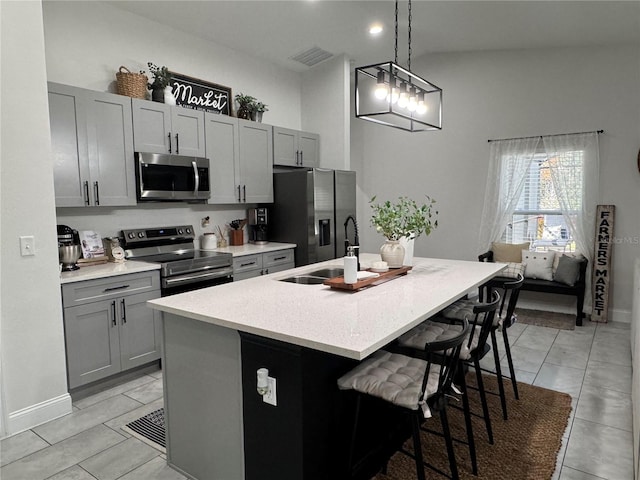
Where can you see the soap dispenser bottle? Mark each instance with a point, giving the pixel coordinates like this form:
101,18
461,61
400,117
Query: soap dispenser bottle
351,265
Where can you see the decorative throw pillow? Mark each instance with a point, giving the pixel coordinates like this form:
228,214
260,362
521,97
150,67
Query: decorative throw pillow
568,270
513,270
539,264
556,260
508,252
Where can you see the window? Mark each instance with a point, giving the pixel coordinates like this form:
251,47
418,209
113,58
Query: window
538,216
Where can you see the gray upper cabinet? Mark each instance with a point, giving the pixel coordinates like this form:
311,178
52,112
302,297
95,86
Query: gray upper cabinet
92,146
294,148
241,156
223,152
161,128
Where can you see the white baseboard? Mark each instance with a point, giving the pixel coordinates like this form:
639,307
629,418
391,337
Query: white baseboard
615,315
38,414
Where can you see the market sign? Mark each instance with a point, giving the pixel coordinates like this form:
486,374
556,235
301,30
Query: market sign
200,95
602,262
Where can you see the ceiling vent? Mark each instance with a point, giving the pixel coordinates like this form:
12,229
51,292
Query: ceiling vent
312,56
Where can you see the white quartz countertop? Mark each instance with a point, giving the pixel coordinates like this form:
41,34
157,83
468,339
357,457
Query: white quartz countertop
106,270
350,324
252,249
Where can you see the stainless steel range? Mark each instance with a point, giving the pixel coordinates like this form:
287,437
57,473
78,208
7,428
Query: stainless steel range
183,268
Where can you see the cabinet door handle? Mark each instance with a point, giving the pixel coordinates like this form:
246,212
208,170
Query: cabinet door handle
177,145
247,264
266,271
169,135
244,193
96,191
301,157
86,193
297,157
111,289
124,311
239,199
113,314
279,258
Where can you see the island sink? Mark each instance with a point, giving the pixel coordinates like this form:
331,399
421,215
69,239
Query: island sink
317,277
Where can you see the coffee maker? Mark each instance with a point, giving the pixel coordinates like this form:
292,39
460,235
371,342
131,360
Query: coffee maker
258,225
69,250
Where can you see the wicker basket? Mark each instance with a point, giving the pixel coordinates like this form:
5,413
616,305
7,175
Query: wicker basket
131,84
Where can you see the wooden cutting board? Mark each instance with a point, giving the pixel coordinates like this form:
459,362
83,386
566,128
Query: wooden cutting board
338,282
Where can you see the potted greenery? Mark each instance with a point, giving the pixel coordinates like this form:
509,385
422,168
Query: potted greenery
245,105
257,109
161,80
404,221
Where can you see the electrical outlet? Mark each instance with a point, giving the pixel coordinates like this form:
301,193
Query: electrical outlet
270,396
27,245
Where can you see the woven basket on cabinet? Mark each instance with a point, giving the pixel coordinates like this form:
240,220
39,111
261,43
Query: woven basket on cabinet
131,84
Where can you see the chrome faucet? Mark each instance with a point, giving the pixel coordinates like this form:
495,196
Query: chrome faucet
356,239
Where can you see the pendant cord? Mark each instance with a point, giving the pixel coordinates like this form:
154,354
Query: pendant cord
396,46
409,60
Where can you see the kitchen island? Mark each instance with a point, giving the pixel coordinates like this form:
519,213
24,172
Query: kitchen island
216,338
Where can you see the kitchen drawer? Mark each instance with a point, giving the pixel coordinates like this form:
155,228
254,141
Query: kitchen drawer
247,262
280,257
80,293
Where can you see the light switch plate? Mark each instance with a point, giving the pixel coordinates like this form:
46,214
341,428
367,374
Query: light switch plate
27,245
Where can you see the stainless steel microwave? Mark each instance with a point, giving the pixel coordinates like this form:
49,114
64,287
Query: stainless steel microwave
161,177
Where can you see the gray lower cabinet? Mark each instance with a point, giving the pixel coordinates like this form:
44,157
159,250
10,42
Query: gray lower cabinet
92,146
294,148
108,326
161,128
249,266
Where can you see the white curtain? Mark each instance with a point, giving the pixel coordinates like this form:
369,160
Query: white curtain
574,163
508,167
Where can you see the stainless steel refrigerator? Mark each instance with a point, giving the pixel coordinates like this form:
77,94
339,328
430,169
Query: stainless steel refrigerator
310,209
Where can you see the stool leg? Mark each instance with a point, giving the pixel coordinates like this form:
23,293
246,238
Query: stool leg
512,372
483,399
496,358
417,447
467,418
447,438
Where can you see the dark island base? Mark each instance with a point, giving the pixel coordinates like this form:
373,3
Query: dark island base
306,436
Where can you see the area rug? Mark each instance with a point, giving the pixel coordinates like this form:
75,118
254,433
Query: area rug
540,318
149,429
526,446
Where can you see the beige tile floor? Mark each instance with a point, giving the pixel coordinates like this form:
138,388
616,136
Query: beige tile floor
592,363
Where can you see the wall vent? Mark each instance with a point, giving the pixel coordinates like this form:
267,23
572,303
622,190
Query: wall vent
312,56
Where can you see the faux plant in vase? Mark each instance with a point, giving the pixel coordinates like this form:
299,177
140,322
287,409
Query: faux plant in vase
245,105
161,80
402,222
258,108
236,236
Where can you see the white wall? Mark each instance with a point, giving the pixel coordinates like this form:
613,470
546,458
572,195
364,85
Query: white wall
510,94
325,110
33,364
87,41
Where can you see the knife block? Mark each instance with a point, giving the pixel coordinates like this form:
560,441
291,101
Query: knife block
236,237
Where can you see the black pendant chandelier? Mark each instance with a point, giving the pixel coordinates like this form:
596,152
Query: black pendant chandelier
391,95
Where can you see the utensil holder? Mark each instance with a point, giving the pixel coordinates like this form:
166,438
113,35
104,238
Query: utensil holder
236,237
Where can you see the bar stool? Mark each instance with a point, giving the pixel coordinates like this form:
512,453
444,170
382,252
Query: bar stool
509,289
473,350
415,386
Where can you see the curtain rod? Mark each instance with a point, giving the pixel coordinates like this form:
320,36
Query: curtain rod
541,136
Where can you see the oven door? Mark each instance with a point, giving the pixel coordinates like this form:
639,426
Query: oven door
171,177
195,280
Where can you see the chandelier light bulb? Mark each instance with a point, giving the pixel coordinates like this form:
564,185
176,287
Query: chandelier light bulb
403,100
395,95
421,108
382,90
413,104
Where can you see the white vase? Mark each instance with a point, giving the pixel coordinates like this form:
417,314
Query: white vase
169,99
392,253
407,243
